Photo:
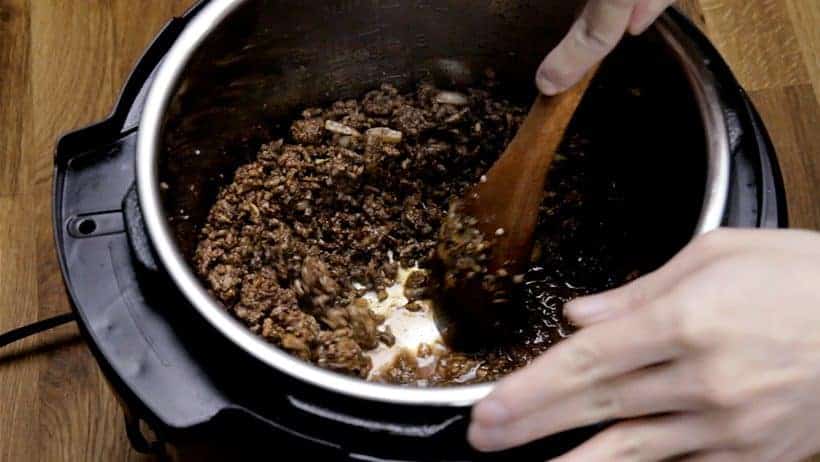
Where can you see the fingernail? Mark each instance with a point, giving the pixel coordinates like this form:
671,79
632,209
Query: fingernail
547,87
490,413
545,84
586,309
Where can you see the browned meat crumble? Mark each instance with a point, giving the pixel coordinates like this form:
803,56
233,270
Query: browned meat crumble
353,191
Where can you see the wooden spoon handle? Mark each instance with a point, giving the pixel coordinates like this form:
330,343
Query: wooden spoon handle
510,198
547,122
505,205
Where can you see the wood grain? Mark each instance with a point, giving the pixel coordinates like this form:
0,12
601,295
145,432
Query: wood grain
758,39
793,113
62,65
693,10
806,20
14,90
18,299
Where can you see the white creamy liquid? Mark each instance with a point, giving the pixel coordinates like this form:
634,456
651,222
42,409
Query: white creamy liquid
411,329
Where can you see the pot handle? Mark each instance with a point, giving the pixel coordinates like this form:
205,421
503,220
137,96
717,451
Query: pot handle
136,231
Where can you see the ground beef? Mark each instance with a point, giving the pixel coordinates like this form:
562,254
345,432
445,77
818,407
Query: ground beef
418,286
317,214
338,351
354,190
308,131
462,249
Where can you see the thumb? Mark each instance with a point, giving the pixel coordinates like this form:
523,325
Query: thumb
596,32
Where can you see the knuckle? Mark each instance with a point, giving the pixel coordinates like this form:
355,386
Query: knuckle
699,389
605,403
592,38
718,392
583,359
627,443
671,324
711,242
689,328
744,431
699,335
636,294
719,395
688,334
693,392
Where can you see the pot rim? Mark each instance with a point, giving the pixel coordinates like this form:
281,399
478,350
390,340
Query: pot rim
147,162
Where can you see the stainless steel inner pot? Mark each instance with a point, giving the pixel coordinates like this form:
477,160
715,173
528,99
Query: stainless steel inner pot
242,65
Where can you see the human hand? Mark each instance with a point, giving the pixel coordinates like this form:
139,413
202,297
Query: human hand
715,356
595,33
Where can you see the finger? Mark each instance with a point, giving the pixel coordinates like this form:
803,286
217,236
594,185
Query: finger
593,36
645,13
657,390
658,438
587,358
697,254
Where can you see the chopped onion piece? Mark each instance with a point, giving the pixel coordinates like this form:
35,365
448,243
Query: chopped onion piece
451,97
336,127
384,134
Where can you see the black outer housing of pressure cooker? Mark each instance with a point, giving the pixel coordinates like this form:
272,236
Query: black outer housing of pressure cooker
176,375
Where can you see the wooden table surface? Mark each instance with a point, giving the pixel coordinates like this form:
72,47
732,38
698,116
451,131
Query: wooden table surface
62,64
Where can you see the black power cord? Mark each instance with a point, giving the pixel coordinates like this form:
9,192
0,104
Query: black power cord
20,333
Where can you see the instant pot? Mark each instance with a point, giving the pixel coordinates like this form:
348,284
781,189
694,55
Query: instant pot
131,192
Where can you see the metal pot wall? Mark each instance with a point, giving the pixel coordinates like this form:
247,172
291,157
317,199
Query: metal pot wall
242,65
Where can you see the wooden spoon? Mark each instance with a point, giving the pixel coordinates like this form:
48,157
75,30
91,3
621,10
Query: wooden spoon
505,203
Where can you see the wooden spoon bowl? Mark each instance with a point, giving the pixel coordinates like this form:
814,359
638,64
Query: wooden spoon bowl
503,207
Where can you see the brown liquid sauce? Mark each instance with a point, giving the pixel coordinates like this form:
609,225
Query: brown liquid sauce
307,244
576,253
